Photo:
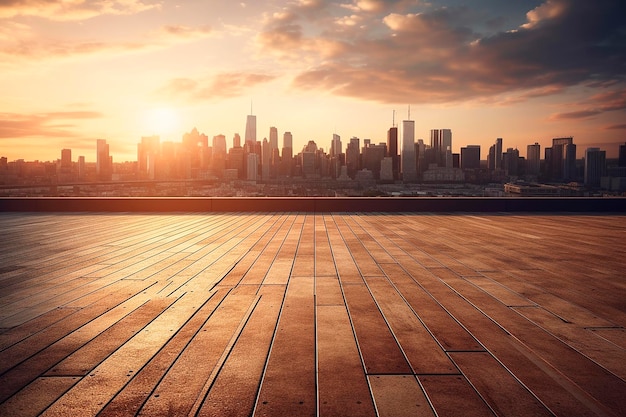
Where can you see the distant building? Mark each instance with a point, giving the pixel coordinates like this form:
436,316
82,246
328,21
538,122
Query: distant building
622,155
409,163
533,159
470,157
595,167
372,158
392,151
353,156
251,169
250,135
386,169
104,162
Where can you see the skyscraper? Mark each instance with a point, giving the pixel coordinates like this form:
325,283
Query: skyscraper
352,157
250,129
273,138
622,156
498,154
409,163
392,150
563,160
470,157
595,166
103,160
287,154
335,146
265,160
533,159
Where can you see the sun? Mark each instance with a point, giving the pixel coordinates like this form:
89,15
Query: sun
163,121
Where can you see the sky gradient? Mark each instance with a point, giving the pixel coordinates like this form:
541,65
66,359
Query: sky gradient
73,71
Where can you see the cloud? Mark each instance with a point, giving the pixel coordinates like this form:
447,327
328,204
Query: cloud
219,86
604,101
186,31
39,48
65,10
616,127
415,52
53,124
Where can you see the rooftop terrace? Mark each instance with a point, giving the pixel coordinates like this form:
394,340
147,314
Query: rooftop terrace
312,313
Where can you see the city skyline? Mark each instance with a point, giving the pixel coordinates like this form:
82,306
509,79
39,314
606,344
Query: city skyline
526,71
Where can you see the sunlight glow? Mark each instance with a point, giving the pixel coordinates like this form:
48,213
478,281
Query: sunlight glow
162,121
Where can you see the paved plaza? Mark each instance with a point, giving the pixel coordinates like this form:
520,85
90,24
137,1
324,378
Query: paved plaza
301,314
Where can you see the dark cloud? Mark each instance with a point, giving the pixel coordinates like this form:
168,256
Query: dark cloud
442,54
219,86
54,124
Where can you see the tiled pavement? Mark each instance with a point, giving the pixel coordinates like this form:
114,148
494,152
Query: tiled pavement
296,314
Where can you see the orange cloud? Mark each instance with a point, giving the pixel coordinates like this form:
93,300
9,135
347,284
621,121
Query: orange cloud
219,86
53,124
72,9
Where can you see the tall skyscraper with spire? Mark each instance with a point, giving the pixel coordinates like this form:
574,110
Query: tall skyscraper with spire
409,163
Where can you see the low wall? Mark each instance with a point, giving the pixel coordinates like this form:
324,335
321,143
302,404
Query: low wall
312,204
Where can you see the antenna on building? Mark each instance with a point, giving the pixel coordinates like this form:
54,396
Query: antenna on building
409,117
393,119
250,107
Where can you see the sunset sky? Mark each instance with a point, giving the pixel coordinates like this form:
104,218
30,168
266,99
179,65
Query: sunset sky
73,71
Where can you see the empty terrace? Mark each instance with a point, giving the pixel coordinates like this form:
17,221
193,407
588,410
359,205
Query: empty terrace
305,314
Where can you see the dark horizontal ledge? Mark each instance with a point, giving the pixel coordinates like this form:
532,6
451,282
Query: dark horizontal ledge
313,204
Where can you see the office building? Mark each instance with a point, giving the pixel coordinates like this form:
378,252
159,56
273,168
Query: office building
353,157
273,138
392,151
250,135
104,162
470,157
533,159
335,146
595,167
409,163
251,167
266,156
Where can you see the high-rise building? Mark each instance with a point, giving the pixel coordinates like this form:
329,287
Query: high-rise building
353,157
236,141
104,165
219,145
392,151
273,138
595,166
81,167
251,168
510,162
441,144
470,157
563,159
409,163
147,153
372,157
250,129
497,162
66,158
266,156
533,159
622,155
335,146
